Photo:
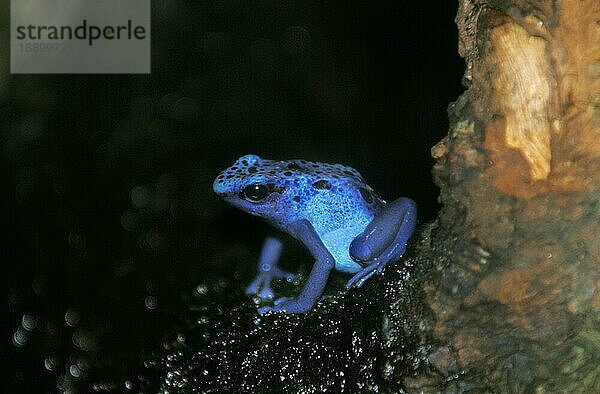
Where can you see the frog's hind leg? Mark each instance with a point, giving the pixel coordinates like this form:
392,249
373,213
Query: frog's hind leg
383,240
268,269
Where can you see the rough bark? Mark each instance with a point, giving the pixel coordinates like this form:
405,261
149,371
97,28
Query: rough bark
517,303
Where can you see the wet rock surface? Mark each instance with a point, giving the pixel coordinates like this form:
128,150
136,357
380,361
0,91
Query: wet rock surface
364,340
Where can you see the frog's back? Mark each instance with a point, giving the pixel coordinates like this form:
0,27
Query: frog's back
330,195
339,205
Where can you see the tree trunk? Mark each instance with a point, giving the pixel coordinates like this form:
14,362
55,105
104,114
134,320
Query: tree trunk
517,304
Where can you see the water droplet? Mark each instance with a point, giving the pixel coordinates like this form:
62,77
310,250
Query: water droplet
20,337
74,371
28,322
140,196
150,302
72,317
201,289
51,362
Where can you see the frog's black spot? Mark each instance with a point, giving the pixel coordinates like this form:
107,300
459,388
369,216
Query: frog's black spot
322,184
245,162
296,198
294,166
366,195
287,173
229,176
276,189
252,170
220,177
234,168
350,173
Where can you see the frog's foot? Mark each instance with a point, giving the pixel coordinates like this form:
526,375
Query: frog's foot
268,269
393,253
261,285
287,305
363,275
324,263
383,240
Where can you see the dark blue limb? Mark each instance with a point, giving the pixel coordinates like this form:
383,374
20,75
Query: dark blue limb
268,269
324,263
384,239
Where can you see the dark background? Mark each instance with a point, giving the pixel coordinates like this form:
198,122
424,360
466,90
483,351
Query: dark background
110,225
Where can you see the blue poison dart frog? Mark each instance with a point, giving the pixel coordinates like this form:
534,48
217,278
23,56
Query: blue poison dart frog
330,209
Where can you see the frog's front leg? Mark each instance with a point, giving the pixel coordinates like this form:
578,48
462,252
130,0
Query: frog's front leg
268,269
384,239
324,263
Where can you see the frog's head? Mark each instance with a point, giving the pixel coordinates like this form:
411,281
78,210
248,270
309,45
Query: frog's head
253,184
278,190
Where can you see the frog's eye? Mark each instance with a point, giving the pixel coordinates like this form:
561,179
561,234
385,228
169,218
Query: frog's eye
255,192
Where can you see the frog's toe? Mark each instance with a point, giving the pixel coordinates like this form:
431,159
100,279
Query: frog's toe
356,281
291,305
281,300
263,310
286,305
261,286
364,278
363,275
266,293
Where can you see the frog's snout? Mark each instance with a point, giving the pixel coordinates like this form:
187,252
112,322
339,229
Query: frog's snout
219,186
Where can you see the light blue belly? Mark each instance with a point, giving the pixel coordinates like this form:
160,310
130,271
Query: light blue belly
338,244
